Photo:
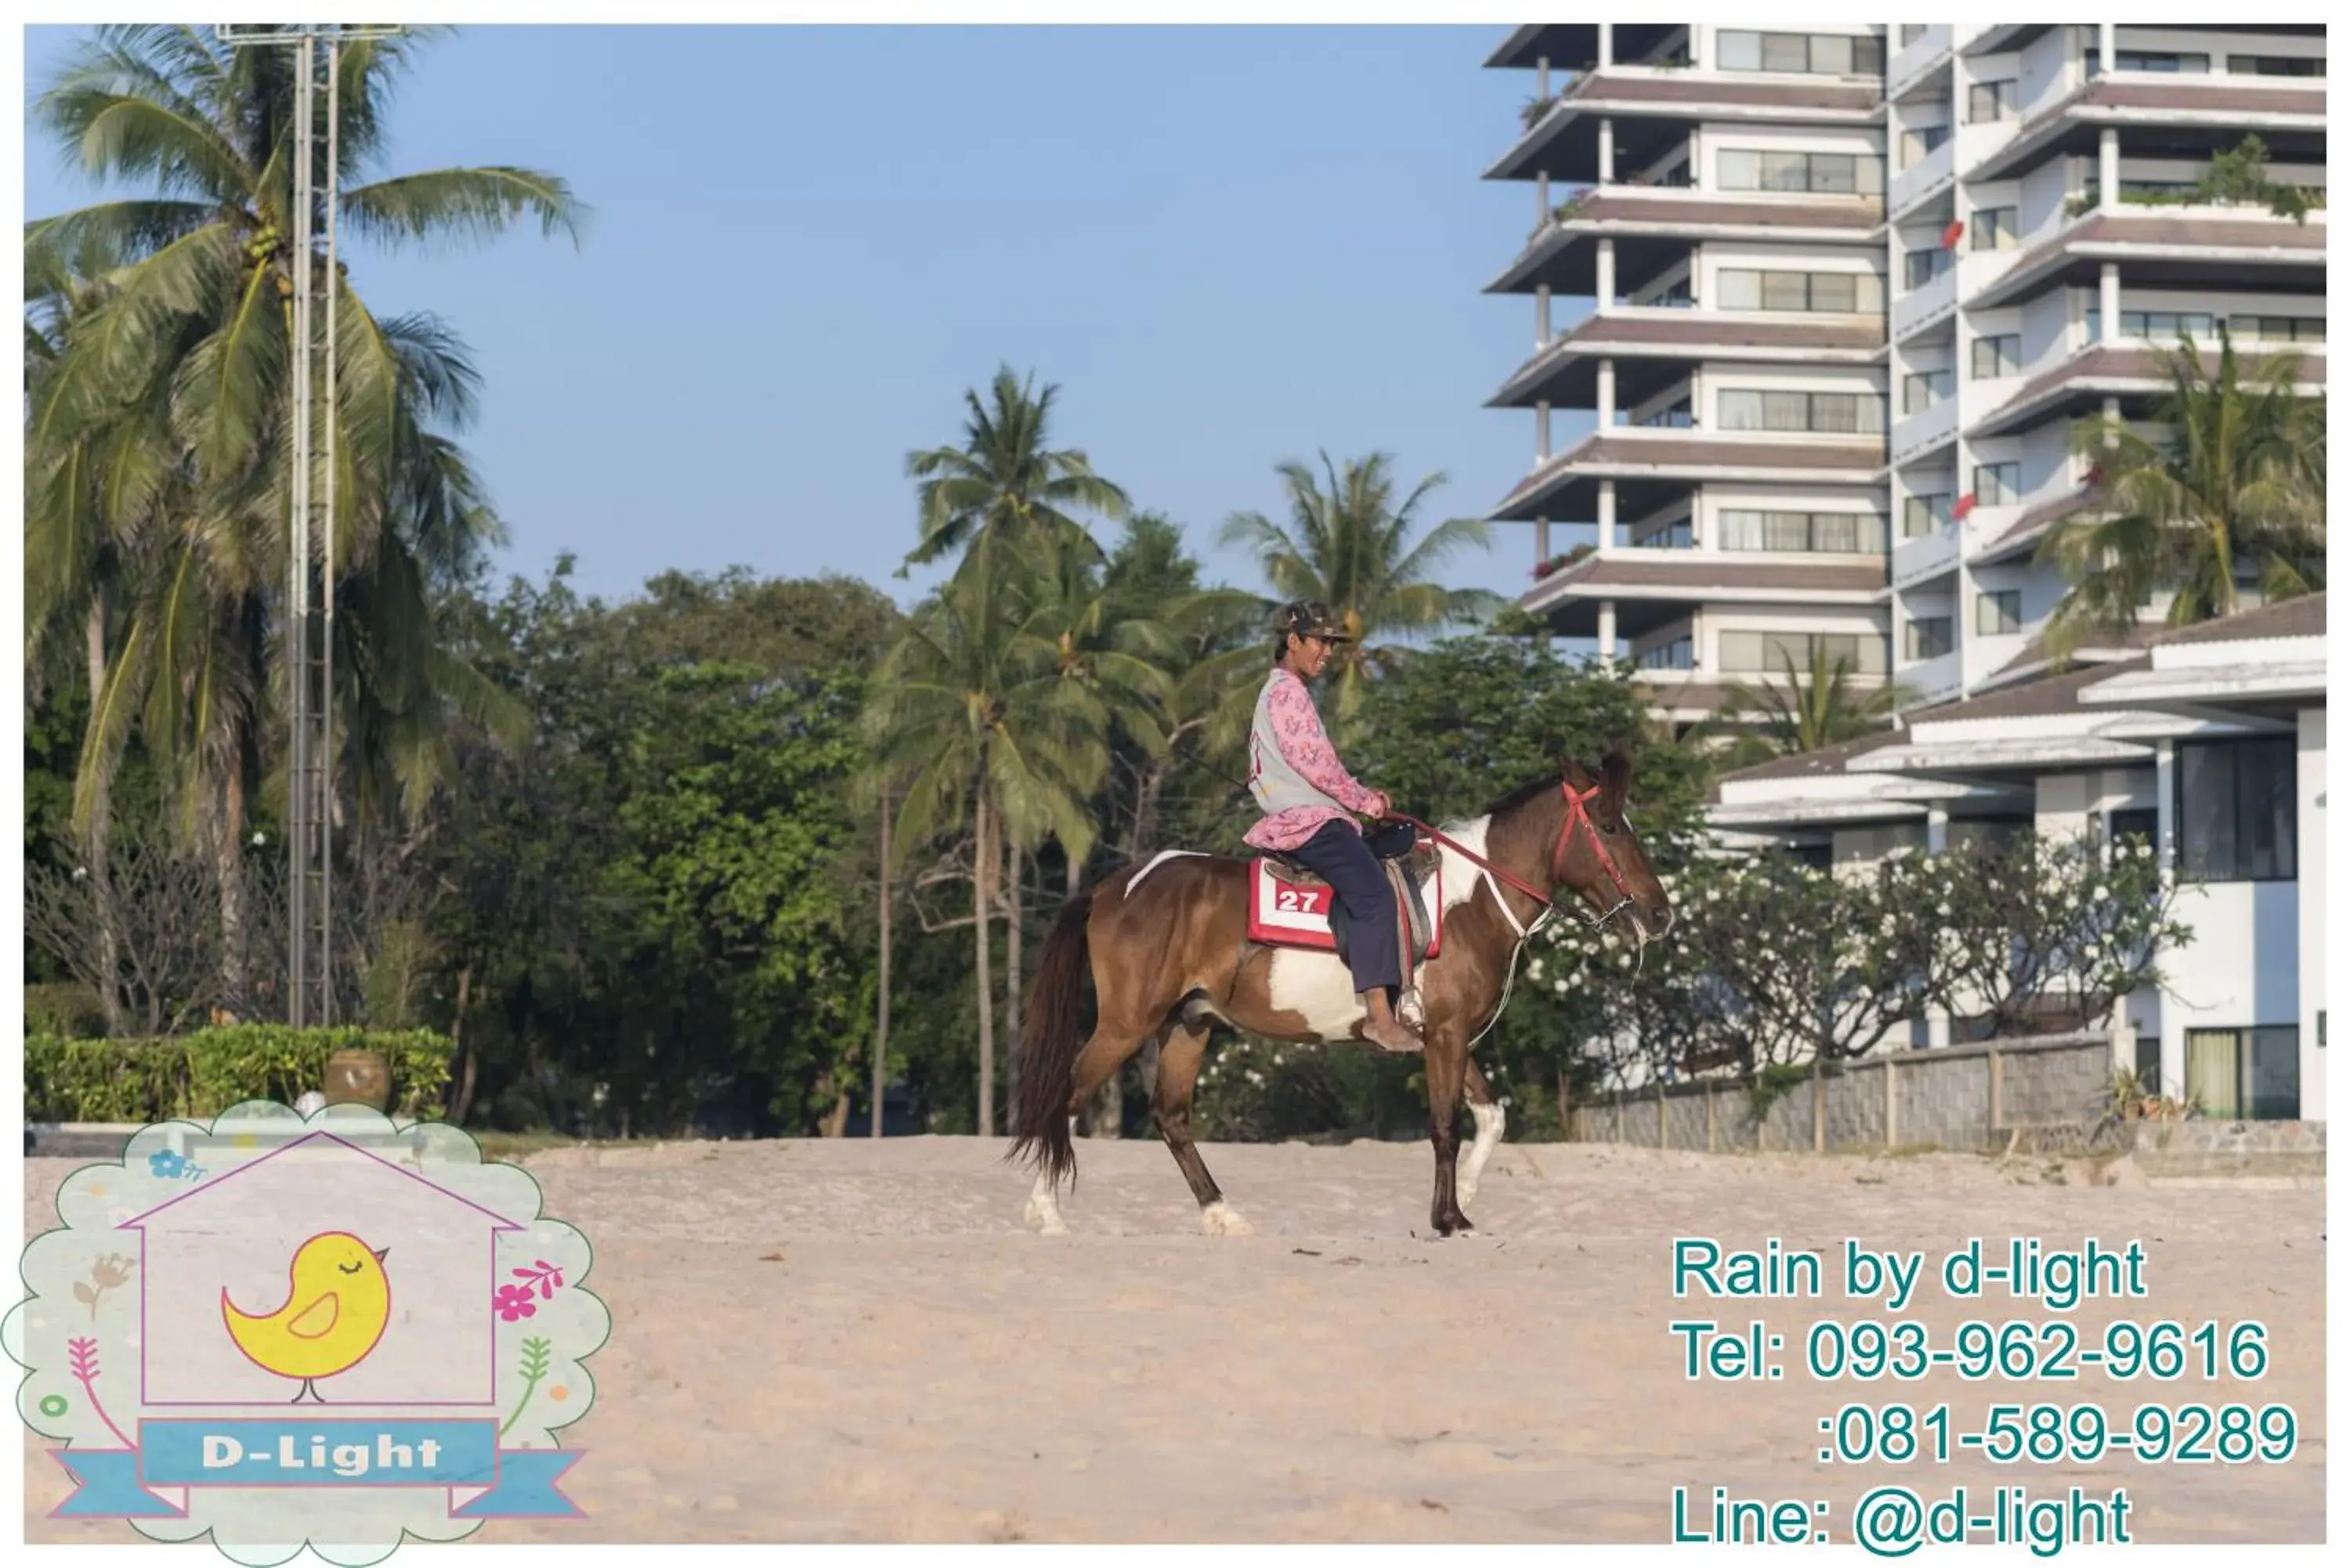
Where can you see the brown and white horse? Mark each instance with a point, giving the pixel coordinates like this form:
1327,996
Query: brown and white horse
1166,942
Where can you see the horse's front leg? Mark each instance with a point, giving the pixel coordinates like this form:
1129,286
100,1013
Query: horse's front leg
1447,1062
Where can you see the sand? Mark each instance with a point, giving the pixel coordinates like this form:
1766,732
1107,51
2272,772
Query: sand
819,1342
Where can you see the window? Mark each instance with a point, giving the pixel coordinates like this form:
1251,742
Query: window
1919,268
2166,325
1925,638
1826,413
1671,536
2237,810
1993,229
2245,1074
1758,652
1845,293
1674,655
2165,62
1674,417
2276,65
2149,1064
2268,328
1805,53
1822,173
1987,101
1999,612
1918,145
1922,390
1921,515
1997,483
1992,357
2141,823
1832,532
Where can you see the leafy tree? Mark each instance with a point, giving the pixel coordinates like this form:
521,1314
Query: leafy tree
159,441
2233,490
1817,708
1351,545
1005,481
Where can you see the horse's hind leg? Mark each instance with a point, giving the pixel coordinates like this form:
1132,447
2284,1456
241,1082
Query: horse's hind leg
1182,1049
1104,1053
1487,1112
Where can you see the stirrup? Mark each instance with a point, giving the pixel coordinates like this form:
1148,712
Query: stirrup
1407,1010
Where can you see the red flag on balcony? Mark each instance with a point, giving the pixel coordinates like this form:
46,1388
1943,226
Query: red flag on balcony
1951,235
1966,504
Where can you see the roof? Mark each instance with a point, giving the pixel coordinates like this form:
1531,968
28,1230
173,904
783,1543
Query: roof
2034,520
2301,616
1811,764
2270,240
2028,700
1839,97
1678,453
1615,571
2112,643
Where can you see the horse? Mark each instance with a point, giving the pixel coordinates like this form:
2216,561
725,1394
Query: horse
1167,946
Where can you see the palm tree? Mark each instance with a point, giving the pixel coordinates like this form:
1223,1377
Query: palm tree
972,720
159,441
1006,481
1821,707
1350,546
2234,489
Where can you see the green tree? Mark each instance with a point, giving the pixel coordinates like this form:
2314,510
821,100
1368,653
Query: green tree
159,437
1006,481
1820,706
1351,545
971,722
2232,492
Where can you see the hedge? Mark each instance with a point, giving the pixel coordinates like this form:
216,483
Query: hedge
201,1074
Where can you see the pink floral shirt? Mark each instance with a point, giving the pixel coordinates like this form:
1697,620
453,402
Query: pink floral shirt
1305,746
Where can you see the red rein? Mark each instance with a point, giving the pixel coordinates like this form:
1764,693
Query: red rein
1576,803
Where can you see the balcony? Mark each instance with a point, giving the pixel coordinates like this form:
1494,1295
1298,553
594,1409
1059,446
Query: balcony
2164,247
1927,306
1915,61
1652,225
1926,557
1923,181
1917,435
1652,347
1652,106
1652,468
1932,680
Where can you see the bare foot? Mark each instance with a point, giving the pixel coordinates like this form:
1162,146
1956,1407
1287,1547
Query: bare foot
1391,1035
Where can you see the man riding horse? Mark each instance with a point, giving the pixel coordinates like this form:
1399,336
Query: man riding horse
1308,796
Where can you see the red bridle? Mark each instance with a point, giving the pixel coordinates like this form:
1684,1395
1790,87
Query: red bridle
1577,811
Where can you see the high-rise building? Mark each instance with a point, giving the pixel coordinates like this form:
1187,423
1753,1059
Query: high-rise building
1850,289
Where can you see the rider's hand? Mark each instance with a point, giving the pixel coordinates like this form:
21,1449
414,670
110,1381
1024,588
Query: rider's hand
1379,806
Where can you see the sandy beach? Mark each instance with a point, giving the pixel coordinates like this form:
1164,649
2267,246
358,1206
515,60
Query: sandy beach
835,1340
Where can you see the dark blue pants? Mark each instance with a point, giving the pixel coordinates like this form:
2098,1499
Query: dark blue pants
1341,857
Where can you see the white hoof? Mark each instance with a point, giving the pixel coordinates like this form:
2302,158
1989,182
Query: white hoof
1221,1219
1044,1211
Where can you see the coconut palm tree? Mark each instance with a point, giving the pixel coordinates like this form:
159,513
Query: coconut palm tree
1005,481
2232,492
1351,545
1819,707
158,439
973,720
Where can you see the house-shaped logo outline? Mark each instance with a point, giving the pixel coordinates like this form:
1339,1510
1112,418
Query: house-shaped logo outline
138,1222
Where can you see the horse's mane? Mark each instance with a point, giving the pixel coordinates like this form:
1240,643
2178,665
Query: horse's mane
1520,796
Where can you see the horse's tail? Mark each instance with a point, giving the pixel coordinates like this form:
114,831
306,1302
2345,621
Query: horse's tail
1050,1031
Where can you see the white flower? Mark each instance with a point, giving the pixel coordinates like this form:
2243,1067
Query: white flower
1559,986
1943,911
2098,891
1256,1078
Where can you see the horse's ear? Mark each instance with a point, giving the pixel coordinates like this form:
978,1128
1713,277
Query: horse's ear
1615,777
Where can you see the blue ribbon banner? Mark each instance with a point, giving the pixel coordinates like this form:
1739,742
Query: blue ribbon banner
318,1451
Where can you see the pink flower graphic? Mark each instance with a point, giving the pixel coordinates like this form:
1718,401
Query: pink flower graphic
513,1302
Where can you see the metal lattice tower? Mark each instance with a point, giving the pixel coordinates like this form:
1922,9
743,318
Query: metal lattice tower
309,632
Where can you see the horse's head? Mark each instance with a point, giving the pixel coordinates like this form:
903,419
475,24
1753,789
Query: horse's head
1598,856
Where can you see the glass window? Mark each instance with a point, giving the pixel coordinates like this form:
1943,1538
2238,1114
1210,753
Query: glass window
2276,65
1997,483
1927,637
1800,54
1994,357
1738,51
2273,329
2238,809
1919,268
1988,101
2142,824
1789,52
2245,1074
1673,655
1830,173
1673,536
1992,229
1999,612
1754,652
1921,515
2164,61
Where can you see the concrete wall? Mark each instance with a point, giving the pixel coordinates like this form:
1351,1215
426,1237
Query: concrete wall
1956,1096
2311,889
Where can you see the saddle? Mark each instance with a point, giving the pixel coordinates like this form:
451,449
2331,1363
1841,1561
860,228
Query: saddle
1290,906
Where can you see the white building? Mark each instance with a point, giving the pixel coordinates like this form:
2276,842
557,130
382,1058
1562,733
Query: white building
2211,742
1849,295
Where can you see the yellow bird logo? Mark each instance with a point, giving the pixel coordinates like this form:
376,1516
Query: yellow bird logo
338,1302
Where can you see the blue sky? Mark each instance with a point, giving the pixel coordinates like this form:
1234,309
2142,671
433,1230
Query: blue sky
1227,245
